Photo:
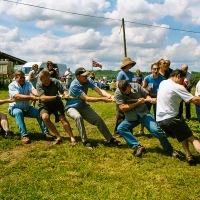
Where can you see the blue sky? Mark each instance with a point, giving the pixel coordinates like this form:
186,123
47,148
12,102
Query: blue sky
36,34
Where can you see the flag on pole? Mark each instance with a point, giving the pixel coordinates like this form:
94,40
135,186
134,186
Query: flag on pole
96,64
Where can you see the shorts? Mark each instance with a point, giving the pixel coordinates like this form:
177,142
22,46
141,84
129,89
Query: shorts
198,112
176,127
57,110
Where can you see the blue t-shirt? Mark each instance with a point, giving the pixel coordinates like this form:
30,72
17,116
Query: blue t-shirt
76,90
122,75
156,82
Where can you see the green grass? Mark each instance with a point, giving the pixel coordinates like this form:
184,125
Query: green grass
42,171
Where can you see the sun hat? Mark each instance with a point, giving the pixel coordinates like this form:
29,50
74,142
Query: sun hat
127,61
81,72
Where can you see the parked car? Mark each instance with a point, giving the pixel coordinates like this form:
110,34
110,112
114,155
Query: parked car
60,67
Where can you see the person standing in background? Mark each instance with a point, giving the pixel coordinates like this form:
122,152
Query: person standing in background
33,77
168,69
197,94
151,83
163,69
113,85
92,75
188,83
139,77
52,71
68,77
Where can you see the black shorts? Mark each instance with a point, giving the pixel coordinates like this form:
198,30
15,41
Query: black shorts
57,110
176,127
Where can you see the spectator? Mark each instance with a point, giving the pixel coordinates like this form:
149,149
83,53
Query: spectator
92,76
101,83
68,77
52,71
137,113
170,94
139,77
51,103
113,85
163,69
188,83
20,90
124,74
151,83
79,110
168,69
197,94
32,77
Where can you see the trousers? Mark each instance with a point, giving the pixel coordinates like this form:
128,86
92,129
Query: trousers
88,114
19,115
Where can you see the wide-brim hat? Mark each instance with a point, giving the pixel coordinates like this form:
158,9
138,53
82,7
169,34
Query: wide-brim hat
127,61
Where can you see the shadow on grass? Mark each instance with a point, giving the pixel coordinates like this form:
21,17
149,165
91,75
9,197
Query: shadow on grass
147,135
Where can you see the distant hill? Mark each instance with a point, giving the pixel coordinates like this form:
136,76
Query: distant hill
111,74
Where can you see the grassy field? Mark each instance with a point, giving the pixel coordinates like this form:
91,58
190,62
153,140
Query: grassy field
42,171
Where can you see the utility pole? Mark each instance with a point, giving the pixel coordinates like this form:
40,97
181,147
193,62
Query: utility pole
124,38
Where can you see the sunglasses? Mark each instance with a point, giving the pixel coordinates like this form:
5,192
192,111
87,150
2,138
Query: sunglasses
21,77
155,69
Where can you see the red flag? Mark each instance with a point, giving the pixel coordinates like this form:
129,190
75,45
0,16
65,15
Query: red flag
96,64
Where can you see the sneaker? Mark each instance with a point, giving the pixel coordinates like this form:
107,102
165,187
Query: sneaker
115,142
25,139
11,135
175,154
139,150
87,145
141,133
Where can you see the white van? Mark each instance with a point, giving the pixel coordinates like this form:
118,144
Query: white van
41,65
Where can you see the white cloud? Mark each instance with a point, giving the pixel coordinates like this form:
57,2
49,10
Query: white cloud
76,40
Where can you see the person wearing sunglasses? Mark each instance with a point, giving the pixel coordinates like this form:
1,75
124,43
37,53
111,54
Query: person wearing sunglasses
163,71
20,91
151,84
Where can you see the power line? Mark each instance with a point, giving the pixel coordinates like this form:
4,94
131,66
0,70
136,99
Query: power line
100,17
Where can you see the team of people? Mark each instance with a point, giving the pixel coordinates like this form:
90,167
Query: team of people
133,103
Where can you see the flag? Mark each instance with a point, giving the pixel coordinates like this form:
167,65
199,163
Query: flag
96,64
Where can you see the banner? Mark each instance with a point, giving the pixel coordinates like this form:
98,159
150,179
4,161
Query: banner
96,64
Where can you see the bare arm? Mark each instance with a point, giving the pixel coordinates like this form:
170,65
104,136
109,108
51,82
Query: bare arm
95,99
144,84
195,100
34,92
23,97
127,107
6,101
45,98
103,93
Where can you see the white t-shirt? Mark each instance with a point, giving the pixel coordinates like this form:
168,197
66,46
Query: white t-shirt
197,91
169,97
68,74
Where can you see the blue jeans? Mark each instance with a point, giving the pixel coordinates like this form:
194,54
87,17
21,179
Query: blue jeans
32,112
125,130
